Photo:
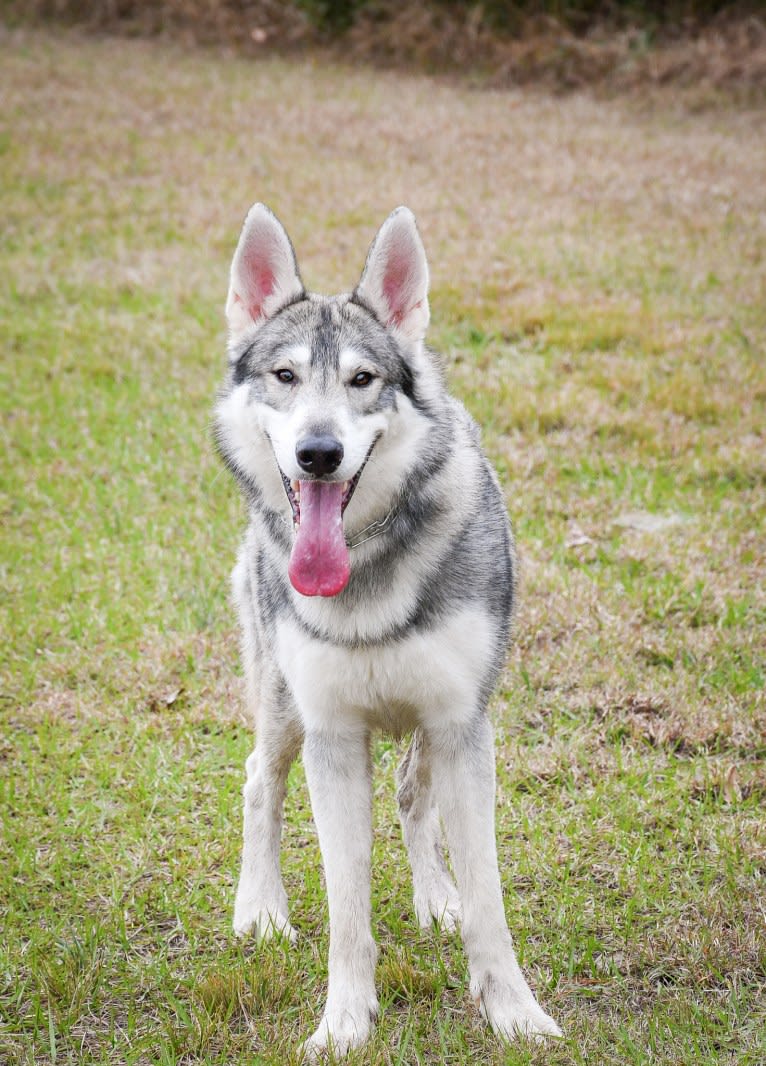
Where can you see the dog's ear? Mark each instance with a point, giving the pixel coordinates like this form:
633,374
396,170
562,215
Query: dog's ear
264,271
395,278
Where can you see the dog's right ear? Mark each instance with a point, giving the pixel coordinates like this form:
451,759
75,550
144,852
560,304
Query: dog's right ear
264,272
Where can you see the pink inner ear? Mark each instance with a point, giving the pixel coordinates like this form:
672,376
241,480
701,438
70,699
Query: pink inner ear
260,282
399,281
394,286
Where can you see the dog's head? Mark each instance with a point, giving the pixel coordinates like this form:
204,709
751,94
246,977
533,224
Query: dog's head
325,397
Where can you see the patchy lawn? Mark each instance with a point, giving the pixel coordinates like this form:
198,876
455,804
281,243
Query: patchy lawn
599,295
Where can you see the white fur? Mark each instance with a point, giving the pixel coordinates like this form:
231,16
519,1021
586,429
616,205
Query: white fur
261,438
394,457
425,681
465,795
261,903
340,689
343,818
428,678
249,447
285,428
434,894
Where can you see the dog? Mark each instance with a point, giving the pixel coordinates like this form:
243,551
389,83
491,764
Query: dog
374,589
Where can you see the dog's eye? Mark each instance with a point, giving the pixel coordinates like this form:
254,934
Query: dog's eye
285,376
361,380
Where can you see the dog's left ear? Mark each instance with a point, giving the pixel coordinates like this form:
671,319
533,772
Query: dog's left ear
395,278
264,271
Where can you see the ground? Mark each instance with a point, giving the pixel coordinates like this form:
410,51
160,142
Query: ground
599,297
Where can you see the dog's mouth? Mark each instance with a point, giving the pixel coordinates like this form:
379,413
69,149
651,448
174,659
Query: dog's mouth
294,489
319,562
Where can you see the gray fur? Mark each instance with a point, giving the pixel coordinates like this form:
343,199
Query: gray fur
440,568
480,553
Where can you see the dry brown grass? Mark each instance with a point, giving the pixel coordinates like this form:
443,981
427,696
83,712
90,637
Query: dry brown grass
556,224
599,294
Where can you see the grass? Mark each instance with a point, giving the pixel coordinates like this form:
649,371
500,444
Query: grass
599,294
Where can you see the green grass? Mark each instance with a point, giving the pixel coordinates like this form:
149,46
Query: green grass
599,295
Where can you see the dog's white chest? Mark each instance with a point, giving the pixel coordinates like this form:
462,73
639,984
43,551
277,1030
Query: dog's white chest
430,676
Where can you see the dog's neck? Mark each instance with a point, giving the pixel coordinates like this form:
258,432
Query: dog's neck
374,529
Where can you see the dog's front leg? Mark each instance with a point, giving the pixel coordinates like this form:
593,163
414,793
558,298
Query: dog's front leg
339,776
261,901
464,779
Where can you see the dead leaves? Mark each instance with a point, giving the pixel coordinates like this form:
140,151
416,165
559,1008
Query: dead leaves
707,730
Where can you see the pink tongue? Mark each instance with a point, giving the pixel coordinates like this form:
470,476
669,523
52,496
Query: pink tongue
319,564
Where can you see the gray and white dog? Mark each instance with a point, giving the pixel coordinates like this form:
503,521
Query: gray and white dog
374,590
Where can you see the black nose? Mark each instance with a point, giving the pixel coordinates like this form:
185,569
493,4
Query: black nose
319,455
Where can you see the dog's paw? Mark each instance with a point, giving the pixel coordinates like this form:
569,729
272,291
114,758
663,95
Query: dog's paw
512,1015
436,901
339,1032
261,922
442,909
522,1021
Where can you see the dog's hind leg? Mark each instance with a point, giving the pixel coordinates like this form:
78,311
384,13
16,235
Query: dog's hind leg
434,893
464,783
261,901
